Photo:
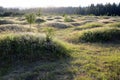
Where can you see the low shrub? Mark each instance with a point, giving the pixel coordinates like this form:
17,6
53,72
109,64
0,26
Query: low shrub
29,47
68,19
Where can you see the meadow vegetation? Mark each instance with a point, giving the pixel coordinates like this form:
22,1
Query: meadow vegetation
59,50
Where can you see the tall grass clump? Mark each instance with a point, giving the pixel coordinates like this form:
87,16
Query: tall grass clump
30,47
98,35
49,33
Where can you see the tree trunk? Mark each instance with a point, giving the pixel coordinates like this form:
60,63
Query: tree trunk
30,27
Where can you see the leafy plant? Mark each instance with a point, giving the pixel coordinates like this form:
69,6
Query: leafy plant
67,19
49,33
30,19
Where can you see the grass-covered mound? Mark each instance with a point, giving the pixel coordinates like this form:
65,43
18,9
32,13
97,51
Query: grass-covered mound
116,24
39,20
57,17
89,25
6,22
30,47
98,35
14,28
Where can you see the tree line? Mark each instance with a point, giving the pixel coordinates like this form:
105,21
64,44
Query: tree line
99,9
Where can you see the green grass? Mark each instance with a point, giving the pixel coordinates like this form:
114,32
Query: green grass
87,61
97,61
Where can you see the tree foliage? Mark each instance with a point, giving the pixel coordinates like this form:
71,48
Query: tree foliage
99,9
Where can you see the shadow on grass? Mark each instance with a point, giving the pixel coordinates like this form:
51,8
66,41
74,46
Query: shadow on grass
40,70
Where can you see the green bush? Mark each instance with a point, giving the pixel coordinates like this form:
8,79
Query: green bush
30,47
67,19
99,35
30,18
49,33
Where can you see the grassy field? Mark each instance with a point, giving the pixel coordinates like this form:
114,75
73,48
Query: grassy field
82,48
